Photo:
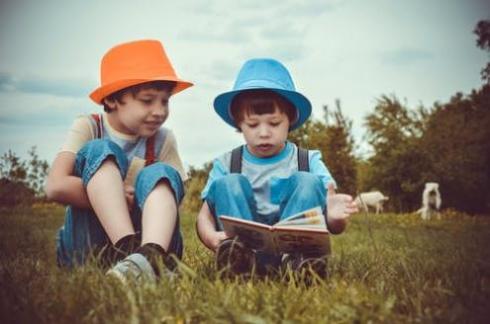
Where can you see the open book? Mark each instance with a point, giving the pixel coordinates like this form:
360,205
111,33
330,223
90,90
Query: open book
305,232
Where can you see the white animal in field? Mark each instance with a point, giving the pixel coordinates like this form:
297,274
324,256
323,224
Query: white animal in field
431,201
373,199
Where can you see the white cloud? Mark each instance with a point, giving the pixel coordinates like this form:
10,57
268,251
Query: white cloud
50,53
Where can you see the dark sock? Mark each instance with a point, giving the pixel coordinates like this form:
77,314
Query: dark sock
154,253
121,249
128,244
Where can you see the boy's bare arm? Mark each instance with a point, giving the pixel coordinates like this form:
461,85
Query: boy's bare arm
62,186
206,228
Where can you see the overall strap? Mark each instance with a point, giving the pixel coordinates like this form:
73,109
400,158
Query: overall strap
150,151
236,160
98,121
303,161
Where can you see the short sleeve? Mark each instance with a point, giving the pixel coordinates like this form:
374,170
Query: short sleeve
80,133
217,171
319,168
169,154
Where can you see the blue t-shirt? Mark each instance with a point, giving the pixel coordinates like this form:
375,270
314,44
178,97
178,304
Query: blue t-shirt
268,175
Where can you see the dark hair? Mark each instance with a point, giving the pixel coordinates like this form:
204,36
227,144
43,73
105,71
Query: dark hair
260,102
134,90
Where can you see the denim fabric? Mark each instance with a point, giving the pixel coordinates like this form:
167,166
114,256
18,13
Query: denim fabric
82,231
232,195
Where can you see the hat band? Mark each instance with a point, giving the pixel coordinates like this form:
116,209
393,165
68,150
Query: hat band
255,84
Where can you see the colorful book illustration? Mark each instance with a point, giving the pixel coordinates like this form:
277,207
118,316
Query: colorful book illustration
305,232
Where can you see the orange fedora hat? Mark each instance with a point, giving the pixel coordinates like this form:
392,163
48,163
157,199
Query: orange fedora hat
133,63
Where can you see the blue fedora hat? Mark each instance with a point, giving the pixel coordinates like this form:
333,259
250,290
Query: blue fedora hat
264,74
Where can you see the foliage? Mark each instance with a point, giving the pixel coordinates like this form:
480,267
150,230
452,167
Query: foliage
21,179
15,193
448,144
482,31
197,180
335,142
456,143
389,269
339,150
396,167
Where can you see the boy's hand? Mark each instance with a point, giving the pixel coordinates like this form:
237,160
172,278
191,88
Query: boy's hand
340,206
129,193
217,238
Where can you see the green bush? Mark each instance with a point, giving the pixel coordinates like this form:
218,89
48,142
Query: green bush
15,193
21,181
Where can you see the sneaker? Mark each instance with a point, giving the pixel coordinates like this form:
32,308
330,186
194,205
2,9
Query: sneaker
233,257
306,266
134,267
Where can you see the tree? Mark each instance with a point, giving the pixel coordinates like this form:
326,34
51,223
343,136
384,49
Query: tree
37,170
197,180
457,143
335,142
395,167
15,193
339,149
482,30
450,144
21,180
302,135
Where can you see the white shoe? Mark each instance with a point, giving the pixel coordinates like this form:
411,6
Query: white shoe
134,267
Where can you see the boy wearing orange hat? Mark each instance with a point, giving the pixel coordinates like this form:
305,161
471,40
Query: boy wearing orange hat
120,172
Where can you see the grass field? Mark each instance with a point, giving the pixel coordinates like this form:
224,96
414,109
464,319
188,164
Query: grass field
387,268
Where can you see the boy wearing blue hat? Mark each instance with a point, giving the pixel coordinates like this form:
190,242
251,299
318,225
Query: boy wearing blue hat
269,178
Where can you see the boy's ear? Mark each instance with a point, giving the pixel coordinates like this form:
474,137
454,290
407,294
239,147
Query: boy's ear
111,103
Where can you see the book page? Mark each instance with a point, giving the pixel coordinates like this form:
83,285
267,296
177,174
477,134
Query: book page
308,218
317,222
308,241
305,232
253,234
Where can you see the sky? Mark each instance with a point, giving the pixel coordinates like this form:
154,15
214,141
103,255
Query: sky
422,51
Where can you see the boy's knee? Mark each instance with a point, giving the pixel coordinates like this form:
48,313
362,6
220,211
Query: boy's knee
159,168
305,179
158,173
232,185
305,185
94,154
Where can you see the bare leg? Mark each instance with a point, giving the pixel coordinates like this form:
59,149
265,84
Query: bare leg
159,216
106,194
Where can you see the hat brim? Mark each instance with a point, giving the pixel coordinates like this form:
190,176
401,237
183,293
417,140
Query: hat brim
100,93
222,105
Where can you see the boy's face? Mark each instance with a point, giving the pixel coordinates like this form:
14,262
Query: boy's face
265,134
142,114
